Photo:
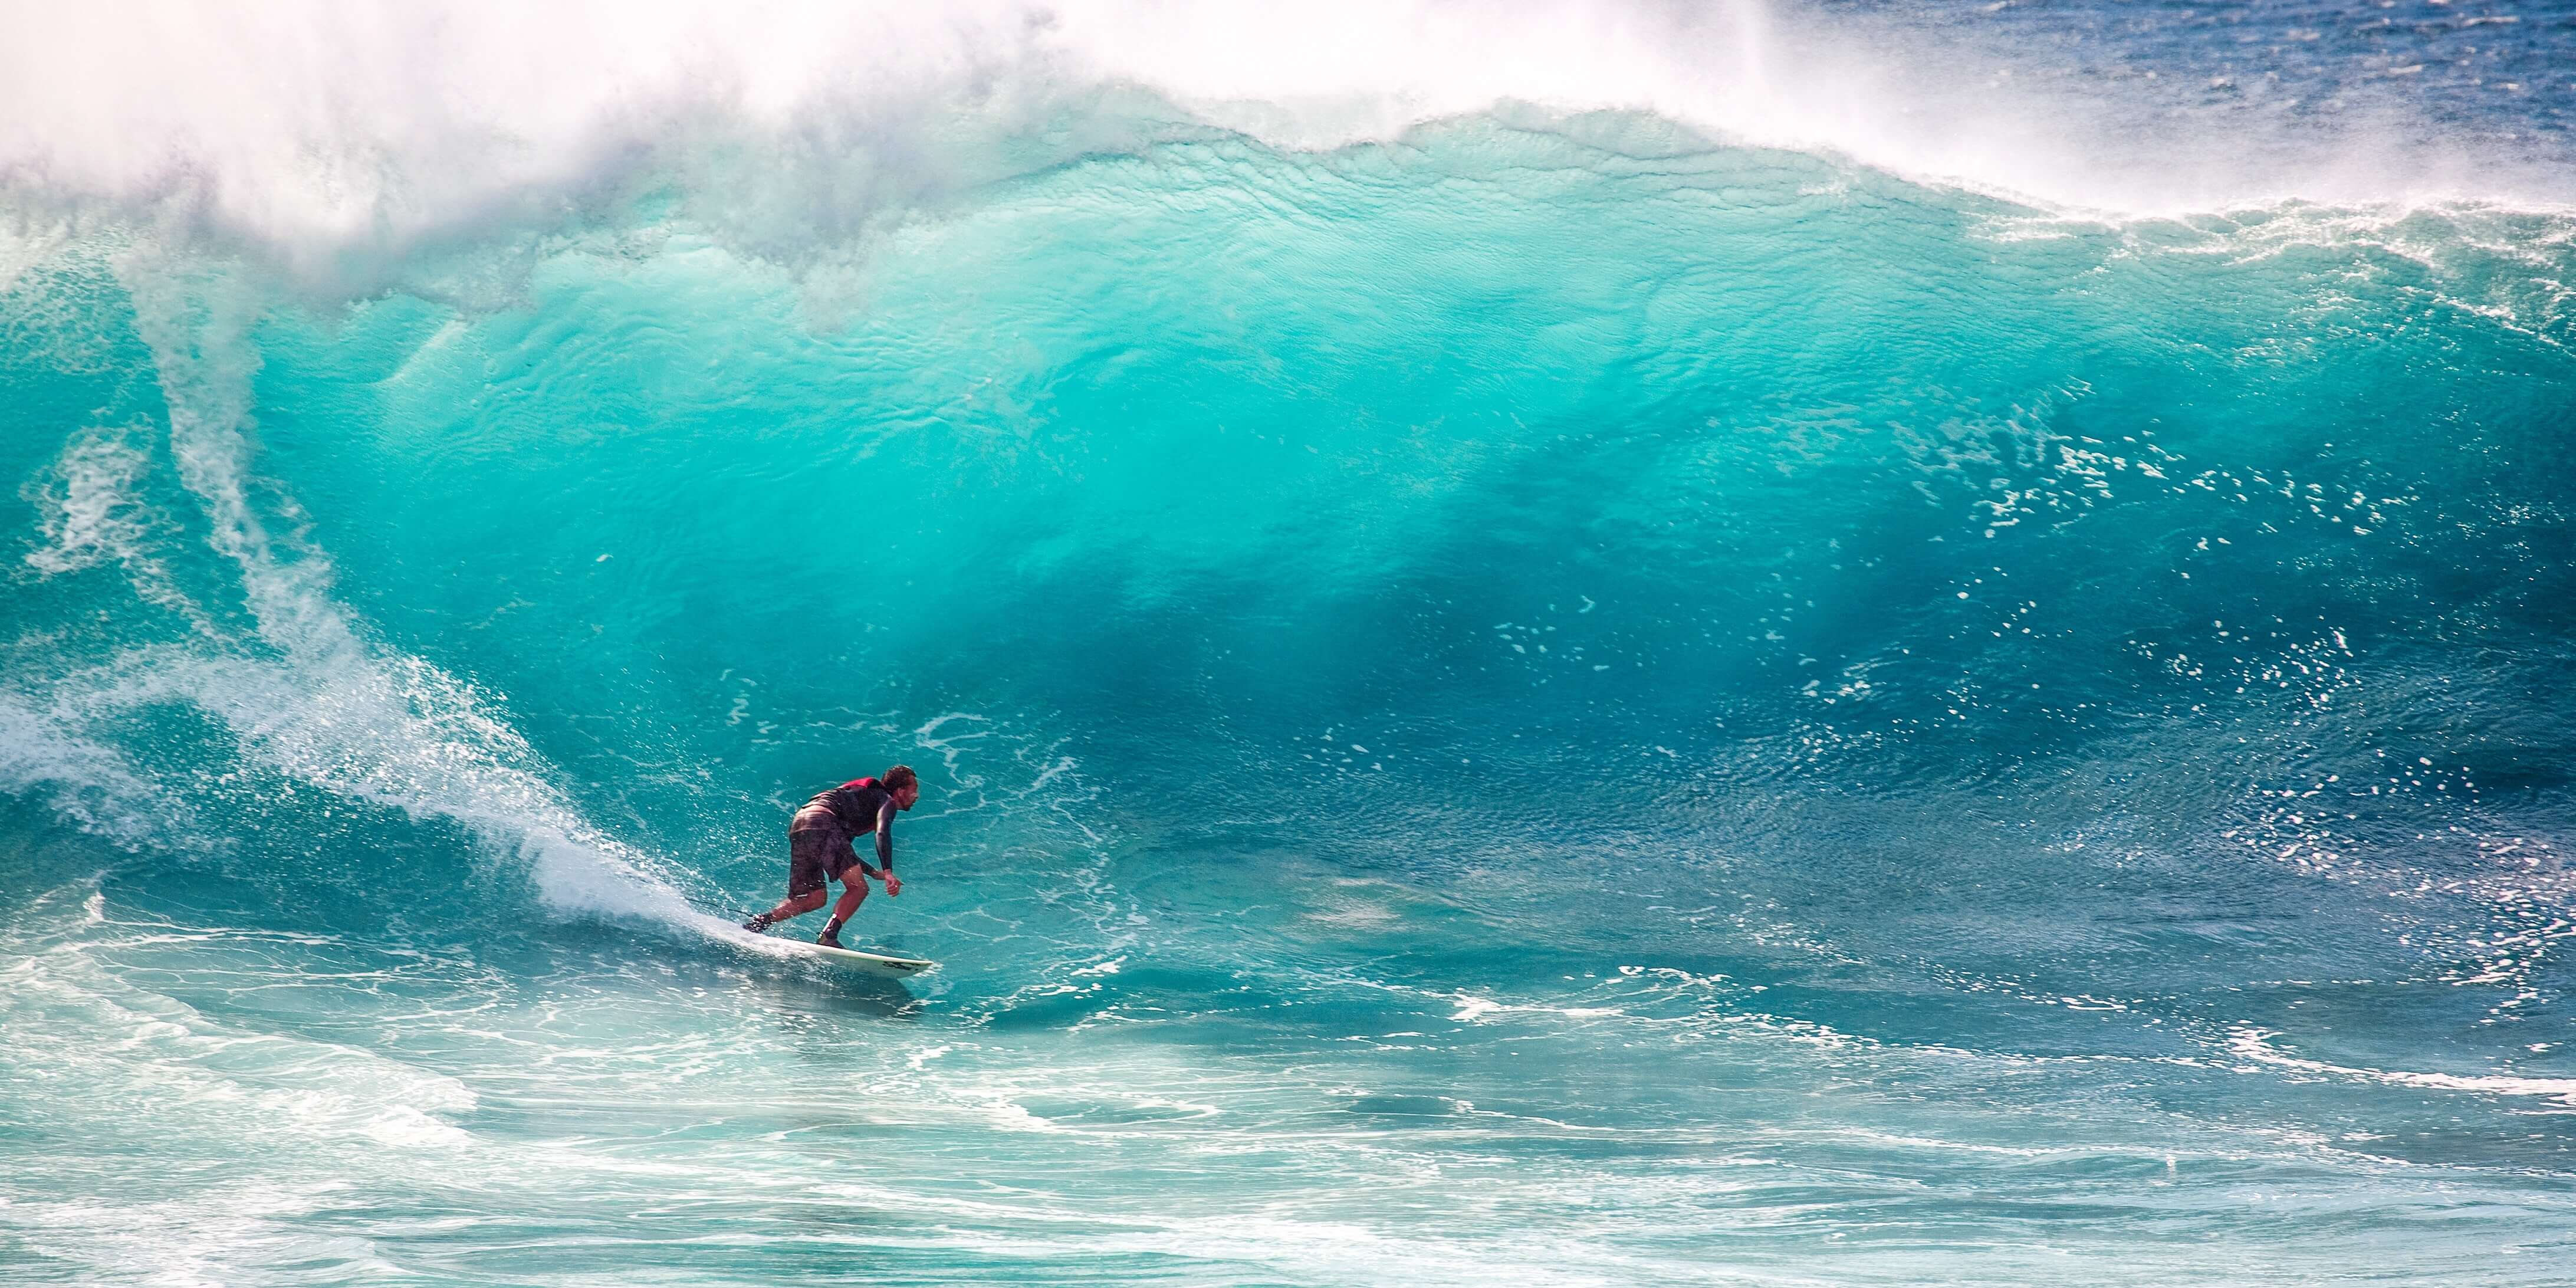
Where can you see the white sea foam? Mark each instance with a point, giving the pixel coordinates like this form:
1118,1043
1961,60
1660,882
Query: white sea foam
369,128
2256,1045
166,1053
92,511
93,515
86,780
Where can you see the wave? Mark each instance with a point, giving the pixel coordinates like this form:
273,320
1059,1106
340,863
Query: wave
1770,543
1952,394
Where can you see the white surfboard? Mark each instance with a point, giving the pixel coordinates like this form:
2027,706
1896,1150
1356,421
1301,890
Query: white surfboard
875,963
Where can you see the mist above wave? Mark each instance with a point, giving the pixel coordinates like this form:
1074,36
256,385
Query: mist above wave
340,139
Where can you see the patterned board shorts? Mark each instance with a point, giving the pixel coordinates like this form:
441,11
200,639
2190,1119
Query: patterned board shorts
816,857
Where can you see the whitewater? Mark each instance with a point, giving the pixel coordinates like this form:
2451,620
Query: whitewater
1816,643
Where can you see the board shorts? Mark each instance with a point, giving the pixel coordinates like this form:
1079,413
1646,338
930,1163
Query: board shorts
816,856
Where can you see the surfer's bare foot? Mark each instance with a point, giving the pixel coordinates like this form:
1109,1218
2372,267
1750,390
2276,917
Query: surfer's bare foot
831,936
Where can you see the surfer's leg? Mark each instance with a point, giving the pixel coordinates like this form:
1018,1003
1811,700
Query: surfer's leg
794,905
854,891
807,887
852,895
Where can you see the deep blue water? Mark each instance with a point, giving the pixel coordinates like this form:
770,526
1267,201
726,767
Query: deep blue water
1563,690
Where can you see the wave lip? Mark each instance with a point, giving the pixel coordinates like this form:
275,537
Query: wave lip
372,132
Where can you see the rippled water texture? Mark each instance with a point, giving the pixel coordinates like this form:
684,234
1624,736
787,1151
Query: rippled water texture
1517,682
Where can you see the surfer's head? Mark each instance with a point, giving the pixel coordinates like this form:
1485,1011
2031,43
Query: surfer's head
905,784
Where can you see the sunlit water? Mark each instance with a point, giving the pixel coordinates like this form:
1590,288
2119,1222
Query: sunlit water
1536,694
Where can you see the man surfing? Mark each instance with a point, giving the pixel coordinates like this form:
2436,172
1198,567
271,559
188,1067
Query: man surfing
819,853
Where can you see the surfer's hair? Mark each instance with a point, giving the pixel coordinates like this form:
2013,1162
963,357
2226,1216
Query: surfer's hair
900,777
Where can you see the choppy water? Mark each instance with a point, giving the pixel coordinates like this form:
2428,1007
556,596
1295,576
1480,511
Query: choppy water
1818,645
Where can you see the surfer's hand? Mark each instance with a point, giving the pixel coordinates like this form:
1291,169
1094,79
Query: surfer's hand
894,886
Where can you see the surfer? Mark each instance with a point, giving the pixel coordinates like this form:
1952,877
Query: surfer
819,853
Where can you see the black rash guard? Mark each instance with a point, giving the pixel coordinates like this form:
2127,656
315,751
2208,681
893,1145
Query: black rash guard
855,808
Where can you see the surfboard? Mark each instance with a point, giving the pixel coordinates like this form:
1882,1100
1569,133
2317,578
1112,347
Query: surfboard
876,963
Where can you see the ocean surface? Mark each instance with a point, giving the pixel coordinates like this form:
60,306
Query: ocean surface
1825,644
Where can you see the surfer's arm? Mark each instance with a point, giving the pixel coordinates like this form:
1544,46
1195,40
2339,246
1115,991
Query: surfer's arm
885,847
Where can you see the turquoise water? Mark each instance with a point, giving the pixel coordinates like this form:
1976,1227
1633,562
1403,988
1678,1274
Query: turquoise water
1559,696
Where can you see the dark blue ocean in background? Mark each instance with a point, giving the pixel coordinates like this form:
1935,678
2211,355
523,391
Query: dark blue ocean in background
1813,643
